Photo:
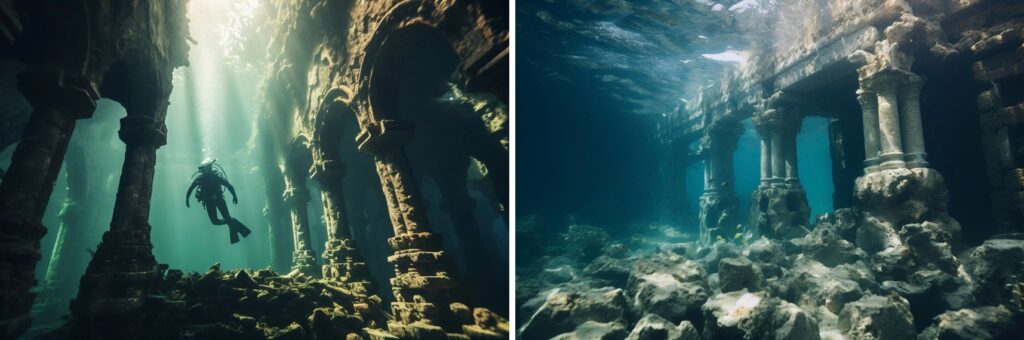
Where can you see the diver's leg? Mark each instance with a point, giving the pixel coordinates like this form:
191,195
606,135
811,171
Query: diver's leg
211,210
234,227
232,230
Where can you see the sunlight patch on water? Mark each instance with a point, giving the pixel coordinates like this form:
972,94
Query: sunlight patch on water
731,56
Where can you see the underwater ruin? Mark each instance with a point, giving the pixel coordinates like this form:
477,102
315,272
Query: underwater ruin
367,142
670,201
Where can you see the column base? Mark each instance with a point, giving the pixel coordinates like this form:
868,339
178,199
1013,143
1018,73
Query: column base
780,213
793,183
19,253
892,161
343,264
303,261
871,165
776,182
114,294
916,160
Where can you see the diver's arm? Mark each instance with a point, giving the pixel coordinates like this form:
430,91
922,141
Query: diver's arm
188,195
234,197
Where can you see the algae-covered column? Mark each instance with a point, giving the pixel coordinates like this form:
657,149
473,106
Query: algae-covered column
63,271
296,197
779,206
423,286
342,261
718,203
113,294
58,99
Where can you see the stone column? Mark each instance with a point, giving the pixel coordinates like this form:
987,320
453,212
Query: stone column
718,204
342,261
789,140
65,265
889,122
869,108
296,198
910,119
778,156
423,285
766,161
114,291
58,100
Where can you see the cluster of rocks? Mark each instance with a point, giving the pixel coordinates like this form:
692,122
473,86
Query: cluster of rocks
821,285
244,304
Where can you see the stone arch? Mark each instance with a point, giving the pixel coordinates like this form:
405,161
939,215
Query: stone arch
457,26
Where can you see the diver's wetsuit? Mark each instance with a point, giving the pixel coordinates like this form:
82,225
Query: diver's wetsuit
211,195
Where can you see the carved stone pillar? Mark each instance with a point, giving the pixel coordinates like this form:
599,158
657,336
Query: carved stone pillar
887,87
780,210
778,157
789,143
342,261
910,120
766,161
423,286
58,100
296,198
869,108
113,293
718,204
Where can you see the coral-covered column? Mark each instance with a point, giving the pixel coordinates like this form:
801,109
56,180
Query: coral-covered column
869,114
423,286
296,197
58,100
718,204
910,119
342,261
114,291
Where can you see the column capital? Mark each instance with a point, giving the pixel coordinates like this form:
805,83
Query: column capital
293,196
44,88
138,129
867,99
884,81
379,134
721,135
327,170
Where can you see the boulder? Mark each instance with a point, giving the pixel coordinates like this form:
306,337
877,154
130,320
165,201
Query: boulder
977,323
736,273
654,327
667,295
774,318
613,271
745,315
592,330
563,309
713,254
724,314
929,243
811,284
825,245
877,317
994,266
930,293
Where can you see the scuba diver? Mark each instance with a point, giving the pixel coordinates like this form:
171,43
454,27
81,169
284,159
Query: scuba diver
211,181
